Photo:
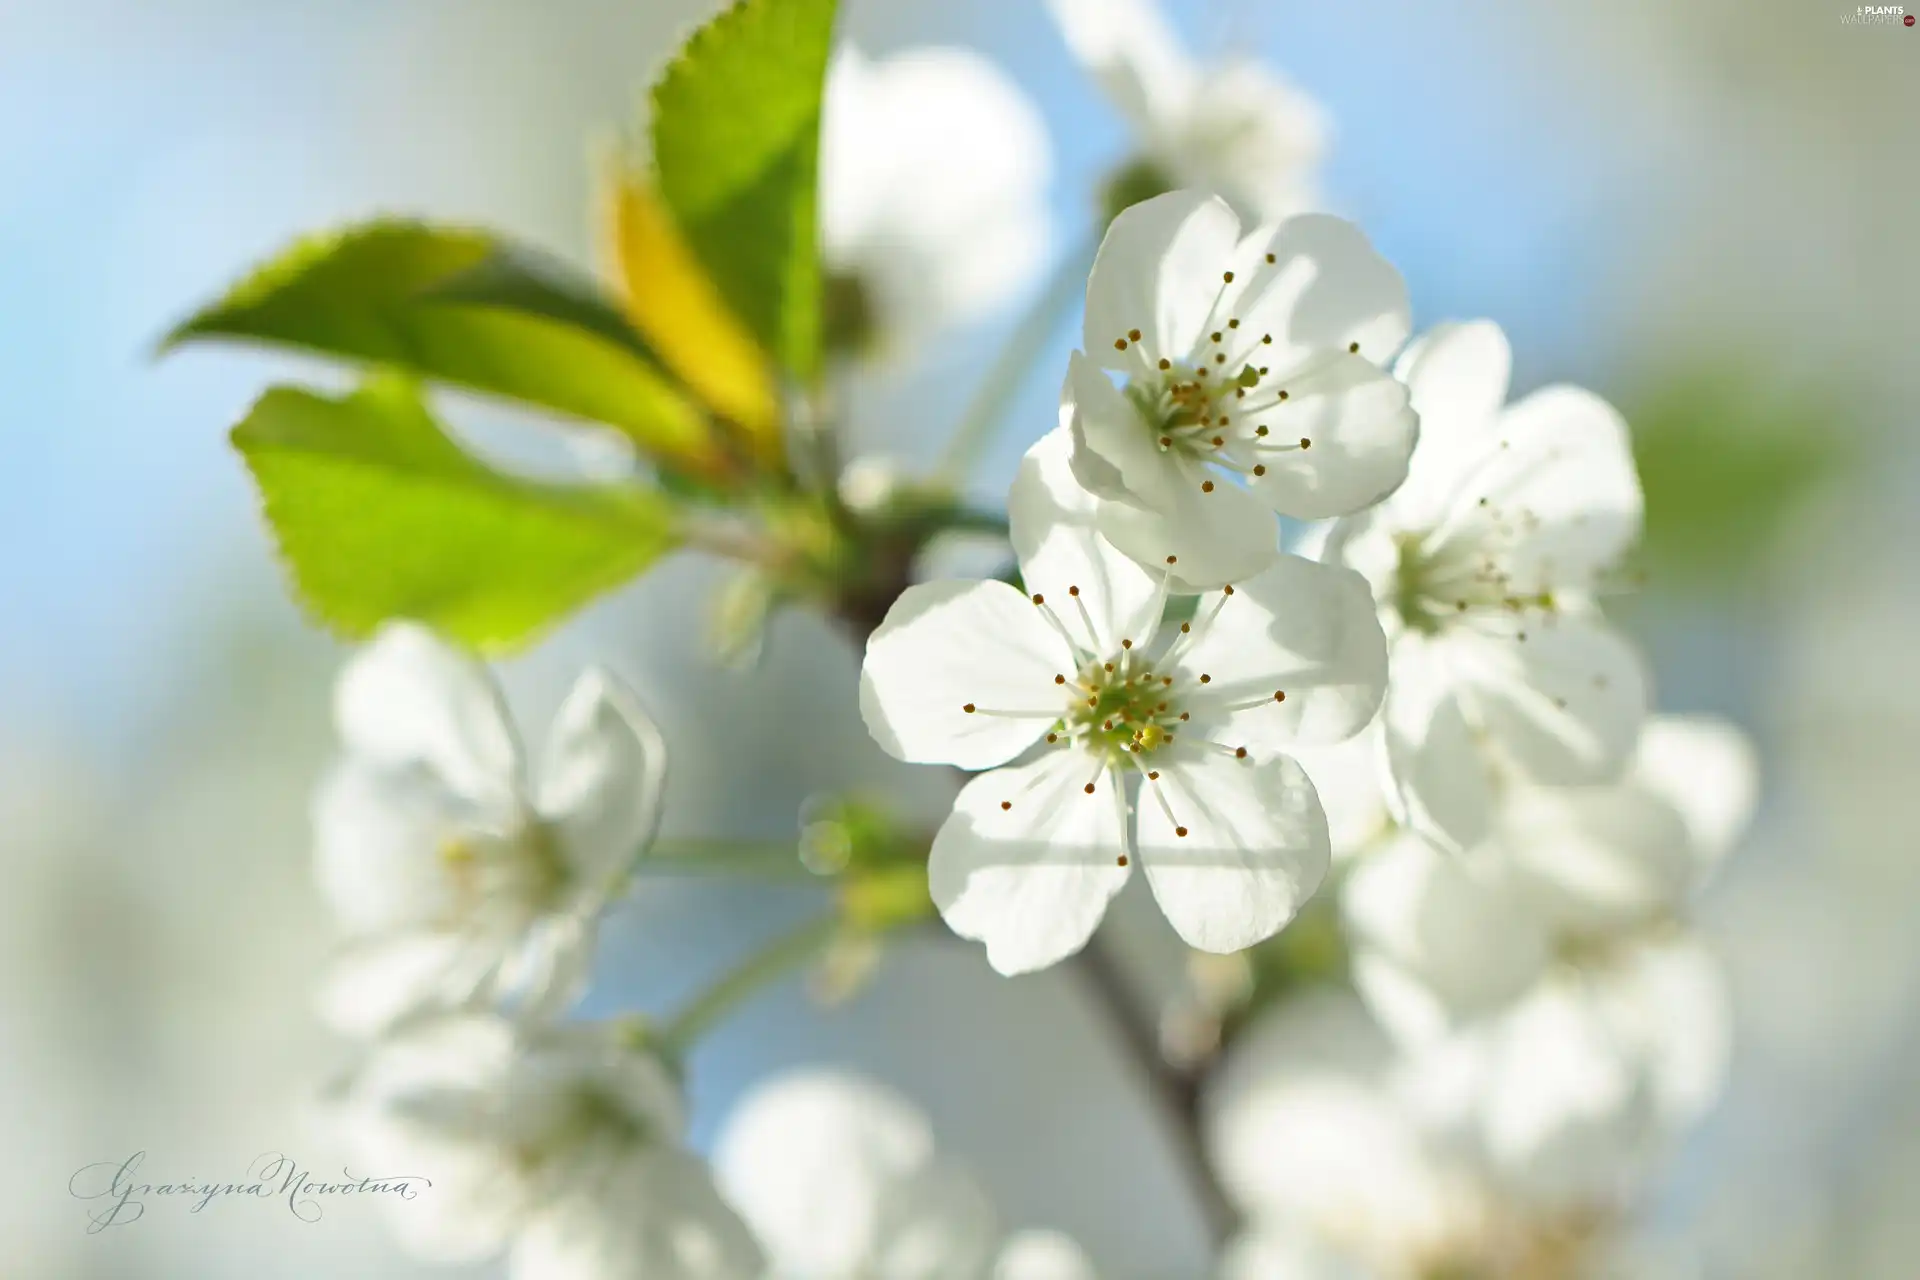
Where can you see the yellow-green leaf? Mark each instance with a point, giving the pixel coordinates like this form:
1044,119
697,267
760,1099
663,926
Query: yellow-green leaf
736,133
456,305
378,514
672,301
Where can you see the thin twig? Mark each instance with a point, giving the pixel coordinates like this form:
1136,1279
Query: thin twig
1176,1093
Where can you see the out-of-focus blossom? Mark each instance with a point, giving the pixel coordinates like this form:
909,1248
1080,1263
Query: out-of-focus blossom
1485,564
933,186
1232,836
1349,777
1235,128
1252,384
840,1179
1317,1137
558,1146
457,879
1569,1020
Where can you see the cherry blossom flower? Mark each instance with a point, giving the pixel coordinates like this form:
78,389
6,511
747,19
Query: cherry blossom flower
1234,128
1250,382
559,1146
1485,564
459,882
933,194
840,1179
1315,1139
1073,673
1550,971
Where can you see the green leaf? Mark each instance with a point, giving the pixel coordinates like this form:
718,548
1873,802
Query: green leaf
379,514
736,134
458,306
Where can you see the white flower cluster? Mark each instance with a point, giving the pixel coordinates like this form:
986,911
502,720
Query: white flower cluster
471,897
1423,687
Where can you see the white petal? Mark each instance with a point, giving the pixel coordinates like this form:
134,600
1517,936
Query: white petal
1325,290
1669,999
1302,1128
1560,484
1706,769
934,169
602,777
1059,547
373,987
936,1224
1442,786
808,1156
1350,779
410,698
1033,880
1307,630
378,837
1114,453
947,645
1158,271
1200,539
657,1217
1457,375
1449,926
1130,50
1237,848
1564,705
1598,859
1361,430
1567,1113
1043,1255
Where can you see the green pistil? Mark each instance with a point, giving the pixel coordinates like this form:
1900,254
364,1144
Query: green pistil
1126,711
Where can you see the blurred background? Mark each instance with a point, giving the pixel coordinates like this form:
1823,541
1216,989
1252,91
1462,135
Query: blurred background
1703,211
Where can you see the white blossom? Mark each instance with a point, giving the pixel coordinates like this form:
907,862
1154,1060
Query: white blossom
1313,1137
1069,678
1547,975
840,1179
1249,382
457,879
933,192
1485,564
560,1146
1234,127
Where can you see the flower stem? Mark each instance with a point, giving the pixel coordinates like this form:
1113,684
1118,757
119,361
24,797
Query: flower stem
1015,361
774,961
1176,1092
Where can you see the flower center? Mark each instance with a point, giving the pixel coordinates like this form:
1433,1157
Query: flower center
1437,579
1121,708
525,872
1215,403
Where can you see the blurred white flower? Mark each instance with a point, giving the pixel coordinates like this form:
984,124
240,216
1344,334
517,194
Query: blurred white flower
1232,836
1251,382
456,880
839,1178
1348,777
1313,1140
1571,875
933,193
1569,1022
1234,128
558,1145
1485,564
